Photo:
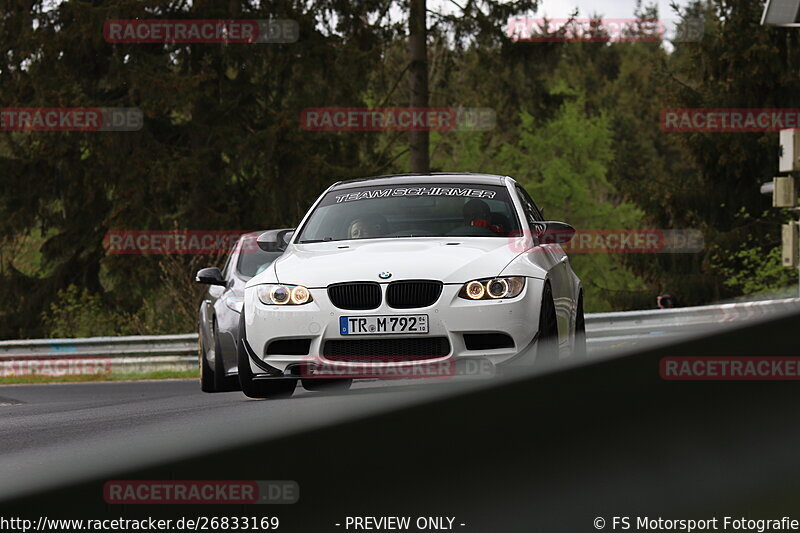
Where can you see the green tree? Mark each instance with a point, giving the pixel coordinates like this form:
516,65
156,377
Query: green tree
737,64
563,163
221,146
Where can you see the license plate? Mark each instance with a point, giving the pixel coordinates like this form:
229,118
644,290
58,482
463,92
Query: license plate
383,324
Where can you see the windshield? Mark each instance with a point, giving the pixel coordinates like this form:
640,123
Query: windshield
252,259
418,210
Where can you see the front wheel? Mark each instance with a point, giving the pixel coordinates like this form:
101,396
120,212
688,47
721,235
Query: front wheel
547,350
579,349
266,388
207,383
320,385
213,378
223,383
278,388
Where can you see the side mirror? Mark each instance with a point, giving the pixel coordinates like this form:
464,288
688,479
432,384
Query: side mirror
210,276
274,240
552,232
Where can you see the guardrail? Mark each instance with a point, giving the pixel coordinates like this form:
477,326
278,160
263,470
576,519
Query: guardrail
179,352
125,354
629,328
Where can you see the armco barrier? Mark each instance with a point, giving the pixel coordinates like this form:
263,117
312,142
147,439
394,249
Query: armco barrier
604,330
629,328
127,354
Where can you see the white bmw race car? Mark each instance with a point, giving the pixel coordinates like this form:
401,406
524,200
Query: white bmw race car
410,276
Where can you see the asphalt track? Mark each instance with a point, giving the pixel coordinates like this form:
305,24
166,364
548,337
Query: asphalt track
47,429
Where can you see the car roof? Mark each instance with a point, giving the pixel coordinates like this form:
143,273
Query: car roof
433,177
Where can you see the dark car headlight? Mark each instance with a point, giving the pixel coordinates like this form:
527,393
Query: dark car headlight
281,294
492,288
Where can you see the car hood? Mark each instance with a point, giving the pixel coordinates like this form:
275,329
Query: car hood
451,260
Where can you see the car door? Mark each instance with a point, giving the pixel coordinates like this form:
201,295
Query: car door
213,297
227,320
553,258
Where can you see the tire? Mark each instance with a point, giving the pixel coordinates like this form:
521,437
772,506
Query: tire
207,381
273,388
547,343
223,383
321,385
213,379
579,349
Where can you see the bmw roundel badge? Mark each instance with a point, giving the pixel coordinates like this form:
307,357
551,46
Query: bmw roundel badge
385,275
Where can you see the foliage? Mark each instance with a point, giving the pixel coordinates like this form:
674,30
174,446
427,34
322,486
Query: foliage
79,313
756,269
221,148
563,163
737,64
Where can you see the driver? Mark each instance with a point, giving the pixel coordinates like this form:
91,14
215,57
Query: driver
478,213
367,227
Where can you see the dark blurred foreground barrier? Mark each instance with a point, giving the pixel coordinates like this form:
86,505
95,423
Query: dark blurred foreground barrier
545,453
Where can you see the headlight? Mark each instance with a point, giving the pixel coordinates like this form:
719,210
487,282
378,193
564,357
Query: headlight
234,303
283,294
492,288
474,290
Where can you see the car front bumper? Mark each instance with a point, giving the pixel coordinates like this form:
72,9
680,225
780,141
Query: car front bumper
450,317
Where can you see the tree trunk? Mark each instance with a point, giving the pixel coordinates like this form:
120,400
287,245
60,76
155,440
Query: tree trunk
418,83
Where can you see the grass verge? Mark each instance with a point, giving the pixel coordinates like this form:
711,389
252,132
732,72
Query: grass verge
114,376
